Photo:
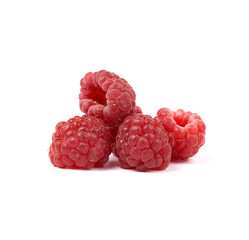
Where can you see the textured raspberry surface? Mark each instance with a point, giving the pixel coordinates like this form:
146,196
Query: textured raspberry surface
136,110
107,96
142,144
186,131
113,130
80,142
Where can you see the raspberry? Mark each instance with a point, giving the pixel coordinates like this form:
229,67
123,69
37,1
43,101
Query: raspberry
136,110
80,142
186,131
142,144
113,130
107,96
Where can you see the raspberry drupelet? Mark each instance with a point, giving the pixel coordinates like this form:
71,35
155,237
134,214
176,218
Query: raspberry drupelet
113,130
80,142
186,131
107,96
142,144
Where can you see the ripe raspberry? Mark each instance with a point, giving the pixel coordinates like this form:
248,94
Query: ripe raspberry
107,96
80,142
136,110
142,144
113,130
186,131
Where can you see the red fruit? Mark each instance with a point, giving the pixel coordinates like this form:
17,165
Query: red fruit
142,144
107,96
113,130
80,142
136,110
186,131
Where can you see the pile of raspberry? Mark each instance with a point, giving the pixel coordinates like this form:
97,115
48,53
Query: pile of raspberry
112,123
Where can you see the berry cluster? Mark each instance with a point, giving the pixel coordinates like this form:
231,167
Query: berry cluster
113,123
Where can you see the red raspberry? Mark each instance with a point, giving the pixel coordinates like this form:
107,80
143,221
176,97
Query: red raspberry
107,96
136,110
80,142
186,131
142,143
113,130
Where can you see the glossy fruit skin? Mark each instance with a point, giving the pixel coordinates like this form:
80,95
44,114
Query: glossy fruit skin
106,96
186,131
80,142
142,144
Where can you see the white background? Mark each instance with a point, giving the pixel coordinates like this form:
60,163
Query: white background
178,54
